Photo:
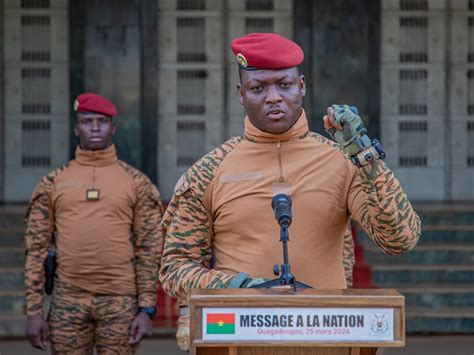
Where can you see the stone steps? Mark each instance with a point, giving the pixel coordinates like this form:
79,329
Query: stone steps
447,312
12,325
461,235
437,276
433,234
12,257
437,300
12,237
446,217
443,320
446,228
12,279
436,254
383,274
12,216
437,295
12,302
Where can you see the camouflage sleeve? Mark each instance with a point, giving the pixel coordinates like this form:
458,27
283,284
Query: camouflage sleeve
187,250
148,238
39,231
378,203
348,256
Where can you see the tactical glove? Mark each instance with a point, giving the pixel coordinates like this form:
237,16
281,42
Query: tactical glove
353,136
249,283
243,280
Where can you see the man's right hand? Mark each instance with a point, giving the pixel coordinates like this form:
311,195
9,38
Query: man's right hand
37,331
182,332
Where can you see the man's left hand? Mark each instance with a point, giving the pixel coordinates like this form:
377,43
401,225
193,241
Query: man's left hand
141,325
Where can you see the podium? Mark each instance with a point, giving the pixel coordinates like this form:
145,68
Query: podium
303,322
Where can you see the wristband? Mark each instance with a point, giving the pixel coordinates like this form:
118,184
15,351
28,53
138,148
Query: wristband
369,155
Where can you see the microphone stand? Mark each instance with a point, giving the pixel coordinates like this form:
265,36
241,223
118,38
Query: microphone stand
283,270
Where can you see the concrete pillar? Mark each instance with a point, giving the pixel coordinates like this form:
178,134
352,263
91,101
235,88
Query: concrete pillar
341,43
112,67
2,117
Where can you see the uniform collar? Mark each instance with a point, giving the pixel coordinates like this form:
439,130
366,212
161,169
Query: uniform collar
105,156
299,130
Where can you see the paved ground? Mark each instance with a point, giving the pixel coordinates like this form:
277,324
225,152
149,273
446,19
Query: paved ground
148,346
416,345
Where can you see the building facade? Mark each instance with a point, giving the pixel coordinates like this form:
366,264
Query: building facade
407,65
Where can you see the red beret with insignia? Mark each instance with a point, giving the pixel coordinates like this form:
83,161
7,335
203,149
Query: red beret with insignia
266,51
90,102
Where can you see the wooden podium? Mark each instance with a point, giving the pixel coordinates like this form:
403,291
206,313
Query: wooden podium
305,322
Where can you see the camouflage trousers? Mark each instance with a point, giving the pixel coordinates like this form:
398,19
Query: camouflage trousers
79,320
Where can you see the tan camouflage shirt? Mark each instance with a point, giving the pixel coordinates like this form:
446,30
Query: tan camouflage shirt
111,245
221,208
348,259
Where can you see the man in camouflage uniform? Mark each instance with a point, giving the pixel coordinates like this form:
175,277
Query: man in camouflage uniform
103,216
221,205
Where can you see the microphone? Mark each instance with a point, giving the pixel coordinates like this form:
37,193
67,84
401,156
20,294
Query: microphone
281,205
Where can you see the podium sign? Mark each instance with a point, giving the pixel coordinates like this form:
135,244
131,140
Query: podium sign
271,321
298,324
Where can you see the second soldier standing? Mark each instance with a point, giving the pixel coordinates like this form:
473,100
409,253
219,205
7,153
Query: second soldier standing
103,217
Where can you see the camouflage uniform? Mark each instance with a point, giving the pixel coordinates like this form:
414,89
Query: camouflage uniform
96,320
348,256
386,215
79,318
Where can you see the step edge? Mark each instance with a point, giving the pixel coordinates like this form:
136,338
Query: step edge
12,293
12,250
433,207
12,269
425,247
447,228
15,317
14,230
439,314
422,267
436,291
442,228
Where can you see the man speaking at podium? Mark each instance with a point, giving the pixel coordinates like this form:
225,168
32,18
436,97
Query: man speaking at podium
222,204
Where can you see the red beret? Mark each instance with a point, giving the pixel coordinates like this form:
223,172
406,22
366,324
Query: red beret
89,102
266,51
